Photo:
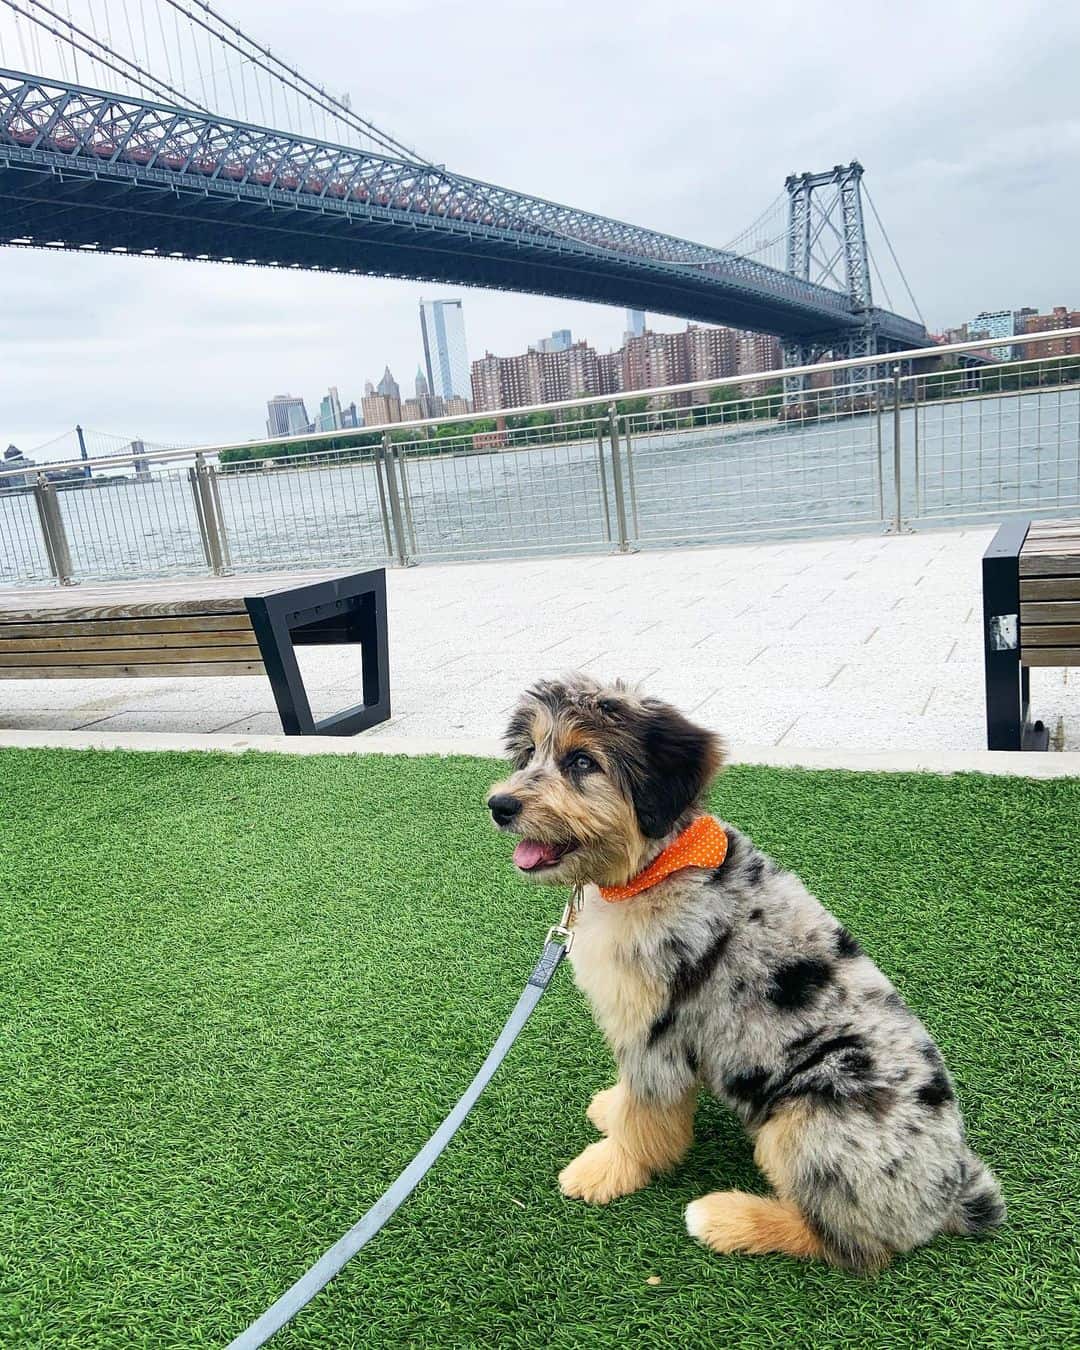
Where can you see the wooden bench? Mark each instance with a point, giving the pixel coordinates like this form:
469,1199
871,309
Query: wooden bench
1031,617
204,626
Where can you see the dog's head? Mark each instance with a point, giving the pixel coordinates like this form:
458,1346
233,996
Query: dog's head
600,775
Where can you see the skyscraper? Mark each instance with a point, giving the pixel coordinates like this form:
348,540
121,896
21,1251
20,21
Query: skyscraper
635,323
559,341
286,416
442,327
388,386
330,411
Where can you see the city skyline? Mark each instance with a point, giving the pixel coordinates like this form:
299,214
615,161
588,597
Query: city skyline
975,216
557,368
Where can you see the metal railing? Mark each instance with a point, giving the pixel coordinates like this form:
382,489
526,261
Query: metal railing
857,444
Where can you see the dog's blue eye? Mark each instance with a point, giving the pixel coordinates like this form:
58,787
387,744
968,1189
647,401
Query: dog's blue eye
582,763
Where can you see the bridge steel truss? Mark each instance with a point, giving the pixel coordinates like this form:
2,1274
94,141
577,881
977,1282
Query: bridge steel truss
86,170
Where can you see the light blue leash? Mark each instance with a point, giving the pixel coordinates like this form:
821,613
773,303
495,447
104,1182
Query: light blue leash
556,945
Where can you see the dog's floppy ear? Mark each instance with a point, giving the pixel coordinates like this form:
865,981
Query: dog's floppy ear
678,761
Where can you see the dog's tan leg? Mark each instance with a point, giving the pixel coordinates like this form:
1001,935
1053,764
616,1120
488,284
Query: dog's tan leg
733,1221
601,1107
643,1139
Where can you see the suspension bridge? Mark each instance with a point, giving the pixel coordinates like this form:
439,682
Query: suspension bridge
153,170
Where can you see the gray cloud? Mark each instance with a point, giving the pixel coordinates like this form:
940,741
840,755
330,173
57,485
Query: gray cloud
685,117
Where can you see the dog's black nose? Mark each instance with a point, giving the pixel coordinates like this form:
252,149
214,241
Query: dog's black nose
503,808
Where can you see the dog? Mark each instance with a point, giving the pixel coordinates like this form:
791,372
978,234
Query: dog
706,964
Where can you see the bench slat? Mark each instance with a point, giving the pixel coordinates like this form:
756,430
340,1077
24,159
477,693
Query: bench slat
122,608
1050,656
166,596
1066,525
188,623
1050,635
128,657
1049,611
1063,588
1055,564
184,671
128,642
1041,529
1060,543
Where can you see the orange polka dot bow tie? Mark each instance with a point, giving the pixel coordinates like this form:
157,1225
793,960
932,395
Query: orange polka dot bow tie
702,844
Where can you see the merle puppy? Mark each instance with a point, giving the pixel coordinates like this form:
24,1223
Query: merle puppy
707,964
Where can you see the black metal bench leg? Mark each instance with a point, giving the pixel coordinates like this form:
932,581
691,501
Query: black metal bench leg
371,633
282,669
342,610
1006,687
1034,735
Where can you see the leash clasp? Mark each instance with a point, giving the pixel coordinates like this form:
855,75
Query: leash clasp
564,928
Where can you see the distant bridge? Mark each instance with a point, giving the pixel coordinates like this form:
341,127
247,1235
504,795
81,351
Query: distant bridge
90,171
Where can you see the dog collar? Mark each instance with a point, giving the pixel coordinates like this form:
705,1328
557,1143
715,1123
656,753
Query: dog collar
702,844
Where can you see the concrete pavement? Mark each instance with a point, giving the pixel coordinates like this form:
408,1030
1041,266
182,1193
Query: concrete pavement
867,643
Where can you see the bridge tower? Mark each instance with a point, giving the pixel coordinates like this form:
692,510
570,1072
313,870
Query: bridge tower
826,244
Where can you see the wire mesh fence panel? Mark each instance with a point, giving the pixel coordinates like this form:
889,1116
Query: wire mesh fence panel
777,462
997,448
547,496
132,526
23,557
305,514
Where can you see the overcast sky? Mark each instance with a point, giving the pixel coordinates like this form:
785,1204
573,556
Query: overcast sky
683,117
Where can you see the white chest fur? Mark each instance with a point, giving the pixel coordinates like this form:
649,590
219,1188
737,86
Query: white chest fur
624,998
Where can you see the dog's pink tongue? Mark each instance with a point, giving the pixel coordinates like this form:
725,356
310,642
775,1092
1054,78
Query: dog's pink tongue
530,853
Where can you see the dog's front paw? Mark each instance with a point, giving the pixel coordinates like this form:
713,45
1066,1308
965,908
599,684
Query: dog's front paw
601,1107
602,1173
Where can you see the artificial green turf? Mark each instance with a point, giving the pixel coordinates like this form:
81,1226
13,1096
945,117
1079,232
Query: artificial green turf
237,994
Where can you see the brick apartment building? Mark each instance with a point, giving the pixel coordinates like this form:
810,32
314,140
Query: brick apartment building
535,377
1059,317
646,361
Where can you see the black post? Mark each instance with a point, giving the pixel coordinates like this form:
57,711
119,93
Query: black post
1005,702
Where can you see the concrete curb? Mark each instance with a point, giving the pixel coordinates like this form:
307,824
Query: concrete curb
1022,764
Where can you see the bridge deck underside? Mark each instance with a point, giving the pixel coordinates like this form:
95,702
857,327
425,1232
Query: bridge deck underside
56,200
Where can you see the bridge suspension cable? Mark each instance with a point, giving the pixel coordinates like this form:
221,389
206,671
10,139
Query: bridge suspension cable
208,62
892,251
765,237
315,94
104,55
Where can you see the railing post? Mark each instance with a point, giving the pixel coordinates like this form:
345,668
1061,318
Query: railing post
52,531
387,457
898,516
380,487
208,514
406,501
616,471
223,534
630,477
917,463
601,473
879,403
